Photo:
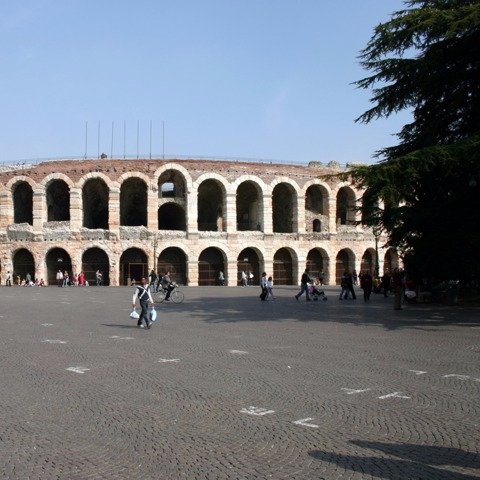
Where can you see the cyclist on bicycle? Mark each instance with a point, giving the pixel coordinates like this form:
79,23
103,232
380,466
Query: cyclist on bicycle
167,286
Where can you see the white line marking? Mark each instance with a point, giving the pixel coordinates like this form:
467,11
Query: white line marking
238,352
418,372
47,324
454,375
351,391
78,369
122,338
393,395
168,360
257,411
54,341
303,423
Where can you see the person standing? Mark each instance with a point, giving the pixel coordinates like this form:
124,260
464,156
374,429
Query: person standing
142,293
366,284
153,280
305,280
8,281
270,288
244,279
221,278
264,286
385,283
60,278
350,281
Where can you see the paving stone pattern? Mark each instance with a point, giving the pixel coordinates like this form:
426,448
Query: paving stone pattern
227,387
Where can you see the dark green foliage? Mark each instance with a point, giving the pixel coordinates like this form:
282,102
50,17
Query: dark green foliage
427,59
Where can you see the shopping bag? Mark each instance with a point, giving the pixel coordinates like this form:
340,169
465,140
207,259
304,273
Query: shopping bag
153,314
134,314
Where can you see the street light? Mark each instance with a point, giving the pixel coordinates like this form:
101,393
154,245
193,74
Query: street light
377,231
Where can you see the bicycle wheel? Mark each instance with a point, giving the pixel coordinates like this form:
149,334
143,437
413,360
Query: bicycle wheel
159,296
177,296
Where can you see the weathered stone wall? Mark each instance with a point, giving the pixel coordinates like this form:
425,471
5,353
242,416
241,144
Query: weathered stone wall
70,235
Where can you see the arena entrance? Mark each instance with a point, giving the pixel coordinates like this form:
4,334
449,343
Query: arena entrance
57,259
345,263
173,260
283,267
317,262
23,263
133,266
95,259
248,261
210,264
368,262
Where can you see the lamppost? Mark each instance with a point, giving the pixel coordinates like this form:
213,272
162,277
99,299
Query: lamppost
377,231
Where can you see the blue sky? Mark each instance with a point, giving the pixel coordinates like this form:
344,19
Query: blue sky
229,78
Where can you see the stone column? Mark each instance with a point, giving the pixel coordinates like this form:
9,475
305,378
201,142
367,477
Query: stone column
39,210
191,206
299,227
152,210
232,273
76,209
6,209
332,215
231,213
192,273
267,214
114,209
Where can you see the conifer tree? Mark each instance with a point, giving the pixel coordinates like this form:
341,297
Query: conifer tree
424,192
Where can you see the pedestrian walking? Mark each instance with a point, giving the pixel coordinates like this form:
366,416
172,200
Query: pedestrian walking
305,280
60,278
366,284
270,288
142,293
244,278
263,286
221,278
8,281
98,277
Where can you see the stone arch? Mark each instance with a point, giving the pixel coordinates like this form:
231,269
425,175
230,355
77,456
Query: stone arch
94,259
57,193
211,262
171,183
173,260
249,206
283,266
284,207
22,196
178,169
57,259
368,261
133,266
95,198
249,260
346,203
318,262
391,261
23,263
133,202
171,216
345,262
316,207
211,201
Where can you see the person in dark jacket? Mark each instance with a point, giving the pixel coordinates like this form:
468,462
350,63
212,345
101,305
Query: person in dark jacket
366,284
305,280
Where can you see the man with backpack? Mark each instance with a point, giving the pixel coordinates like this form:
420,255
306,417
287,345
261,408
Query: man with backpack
142,292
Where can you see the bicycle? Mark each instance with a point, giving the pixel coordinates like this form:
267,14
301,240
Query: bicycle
176,295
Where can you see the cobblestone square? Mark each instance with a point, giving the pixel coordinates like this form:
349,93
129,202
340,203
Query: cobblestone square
225,386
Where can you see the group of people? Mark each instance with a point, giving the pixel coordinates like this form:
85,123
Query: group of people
246,278
266,284
65,280
28,281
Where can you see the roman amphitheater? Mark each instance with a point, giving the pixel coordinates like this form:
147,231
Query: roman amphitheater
196,218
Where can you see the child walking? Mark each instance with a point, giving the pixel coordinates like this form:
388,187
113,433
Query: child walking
270,288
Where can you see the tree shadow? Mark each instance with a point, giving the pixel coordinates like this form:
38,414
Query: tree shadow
414,462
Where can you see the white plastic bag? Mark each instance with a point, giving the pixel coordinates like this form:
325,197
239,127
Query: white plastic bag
134,314
153,314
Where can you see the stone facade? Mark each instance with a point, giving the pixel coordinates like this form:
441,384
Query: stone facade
192,217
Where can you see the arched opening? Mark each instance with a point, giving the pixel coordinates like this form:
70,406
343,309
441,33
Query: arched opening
57,259
345,262
249,206
391,261
283,267
346,206
247,262
133,203
173,260
23,203
370,208
95,259
23,263
368,262
58,201
317,263
283,208
95,204
133,266
171,216
316,207
211,209
171,184
210,264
